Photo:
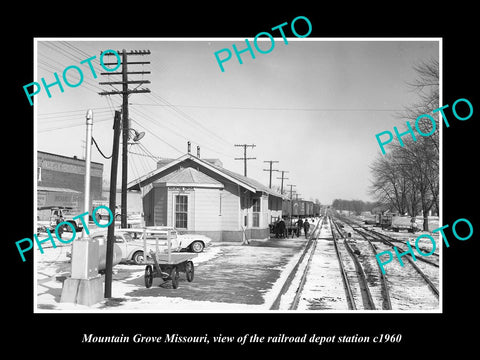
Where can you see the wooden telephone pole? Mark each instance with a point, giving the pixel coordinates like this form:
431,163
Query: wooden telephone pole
245,158
291,207
282,178
112,205
270,170
125,92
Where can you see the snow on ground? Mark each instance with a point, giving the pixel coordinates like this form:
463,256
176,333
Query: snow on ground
324,288
130,295
46,284
408,291
250,276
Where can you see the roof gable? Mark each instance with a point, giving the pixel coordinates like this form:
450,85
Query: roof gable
243,181
188,176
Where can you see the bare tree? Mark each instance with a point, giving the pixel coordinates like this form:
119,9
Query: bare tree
408,177
390,185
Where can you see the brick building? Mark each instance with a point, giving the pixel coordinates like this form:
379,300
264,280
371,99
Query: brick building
61,182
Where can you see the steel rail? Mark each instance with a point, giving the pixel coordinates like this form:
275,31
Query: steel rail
422,274
346,282
387,305
364,288
387,240
390,239
276,303
298,292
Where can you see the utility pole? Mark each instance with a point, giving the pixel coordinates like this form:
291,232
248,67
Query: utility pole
291,207
125,92
270,170
245,158
111,205
282,178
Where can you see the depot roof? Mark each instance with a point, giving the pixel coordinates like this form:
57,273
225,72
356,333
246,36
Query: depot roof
198,177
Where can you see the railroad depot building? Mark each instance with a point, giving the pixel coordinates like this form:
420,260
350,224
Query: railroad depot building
200,196
60,182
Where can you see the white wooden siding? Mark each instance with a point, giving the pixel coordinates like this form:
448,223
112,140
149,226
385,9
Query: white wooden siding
207,210
159,206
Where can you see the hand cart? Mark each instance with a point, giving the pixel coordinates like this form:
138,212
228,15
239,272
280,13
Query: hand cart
166,265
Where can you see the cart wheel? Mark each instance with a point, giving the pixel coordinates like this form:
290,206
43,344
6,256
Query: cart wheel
174,276
189,271
148,276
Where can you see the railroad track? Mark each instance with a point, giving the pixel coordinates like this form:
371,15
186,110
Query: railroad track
374,236
317,267
371,281
341,272
356,292
306,256
313,246
390,240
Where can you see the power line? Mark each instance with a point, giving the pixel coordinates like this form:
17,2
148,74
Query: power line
189,118
100,151
62,113
70,126
157,137
180,134
275,108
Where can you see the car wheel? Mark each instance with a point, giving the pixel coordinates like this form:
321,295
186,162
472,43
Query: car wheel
138,257
74,225
189,271
197,246
148,276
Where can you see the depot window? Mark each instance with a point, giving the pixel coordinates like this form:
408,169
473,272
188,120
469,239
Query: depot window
181,211
256,212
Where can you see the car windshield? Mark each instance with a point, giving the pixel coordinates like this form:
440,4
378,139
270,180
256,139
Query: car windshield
128,236
162,236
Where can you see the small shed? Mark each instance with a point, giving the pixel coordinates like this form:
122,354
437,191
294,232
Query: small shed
200,196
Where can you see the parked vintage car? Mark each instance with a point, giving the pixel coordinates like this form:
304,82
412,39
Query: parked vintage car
131,249
126,247
186,242
130,242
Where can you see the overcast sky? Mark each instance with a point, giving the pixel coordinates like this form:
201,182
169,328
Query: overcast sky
314,105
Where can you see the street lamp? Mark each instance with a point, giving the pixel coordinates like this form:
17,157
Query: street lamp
85,286
138,135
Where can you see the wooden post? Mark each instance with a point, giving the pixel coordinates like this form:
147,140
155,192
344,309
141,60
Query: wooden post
112,205
145,245
169,245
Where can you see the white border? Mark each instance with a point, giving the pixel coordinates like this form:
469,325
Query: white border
328,39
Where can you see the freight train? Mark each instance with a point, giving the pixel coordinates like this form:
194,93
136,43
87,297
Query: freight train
292,210
297,208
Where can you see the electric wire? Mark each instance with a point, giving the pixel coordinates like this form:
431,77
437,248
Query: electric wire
100,151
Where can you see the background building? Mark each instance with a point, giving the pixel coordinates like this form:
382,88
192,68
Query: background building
61,182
